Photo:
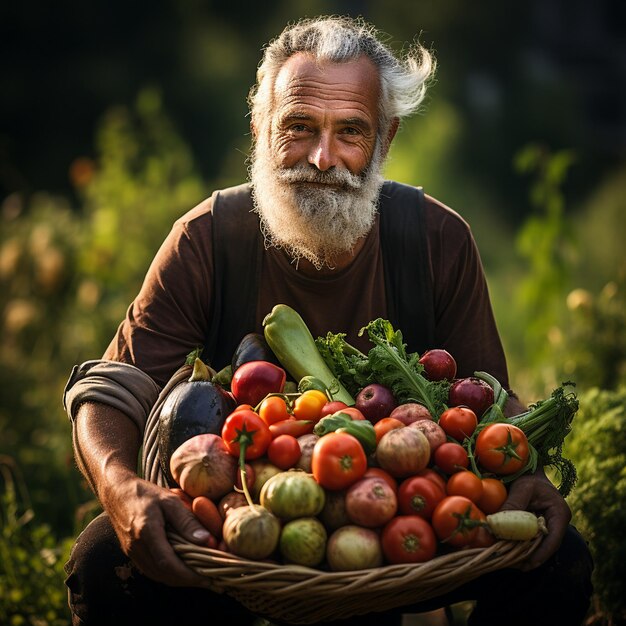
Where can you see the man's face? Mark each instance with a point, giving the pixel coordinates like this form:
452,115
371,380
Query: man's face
316,163
326,116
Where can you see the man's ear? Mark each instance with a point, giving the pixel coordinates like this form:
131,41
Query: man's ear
393,129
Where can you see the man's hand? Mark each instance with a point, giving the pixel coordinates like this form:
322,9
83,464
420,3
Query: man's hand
139,512
535,492
106,444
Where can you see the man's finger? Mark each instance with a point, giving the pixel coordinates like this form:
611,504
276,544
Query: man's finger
161,563
185,523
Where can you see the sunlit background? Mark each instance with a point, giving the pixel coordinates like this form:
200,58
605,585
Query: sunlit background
117,117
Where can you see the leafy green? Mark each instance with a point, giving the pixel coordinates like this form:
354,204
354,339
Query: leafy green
347,364
386,363
546,424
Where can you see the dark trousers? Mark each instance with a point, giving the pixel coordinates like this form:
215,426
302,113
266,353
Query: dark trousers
105,588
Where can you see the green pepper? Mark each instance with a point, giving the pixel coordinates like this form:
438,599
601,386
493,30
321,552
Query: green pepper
339,422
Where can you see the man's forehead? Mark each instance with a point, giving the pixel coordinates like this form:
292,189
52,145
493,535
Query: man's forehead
302,70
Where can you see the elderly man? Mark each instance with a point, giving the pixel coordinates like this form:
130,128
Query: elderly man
316,228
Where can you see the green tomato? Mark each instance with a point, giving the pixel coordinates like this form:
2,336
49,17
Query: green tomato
303,541
292,494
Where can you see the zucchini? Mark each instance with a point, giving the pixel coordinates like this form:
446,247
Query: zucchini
291,341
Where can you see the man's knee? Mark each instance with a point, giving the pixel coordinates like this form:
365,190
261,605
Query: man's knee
97,573
106,588
559,591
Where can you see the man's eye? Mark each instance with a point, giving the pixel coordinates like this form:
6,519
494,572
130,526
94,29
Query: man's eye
298,128
351,130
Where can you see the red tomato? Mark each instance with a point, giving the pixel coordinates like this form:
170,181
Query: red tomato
502,448
353,412
239,407
308,406
338,461
284,451
493,496
456,521
293,427
483,539
386,424
458,422
250,477
418,495
435,476
253,380
408,539
273,409
379,472
465,483
451,457
245,428
332,407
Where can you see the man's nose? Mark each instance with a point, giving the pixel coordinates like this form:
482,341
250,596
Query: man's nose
323,154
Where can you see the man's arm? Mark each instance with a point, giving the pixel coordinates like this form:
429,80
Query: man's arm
106,445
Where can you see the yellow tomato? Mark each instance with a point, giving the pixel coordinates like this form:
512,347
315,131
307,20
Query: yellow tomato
308,406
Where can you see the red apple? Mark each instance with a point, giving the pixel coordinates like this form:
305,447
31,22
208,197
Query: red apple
375,402
438,364
471,392
411,412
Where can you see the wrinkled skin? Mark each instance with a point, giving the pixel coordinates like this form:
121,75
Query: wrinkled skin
106,443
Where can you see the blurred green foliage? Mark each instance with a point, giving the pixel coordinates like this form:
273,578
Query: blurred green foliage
67,278
31,559
598,448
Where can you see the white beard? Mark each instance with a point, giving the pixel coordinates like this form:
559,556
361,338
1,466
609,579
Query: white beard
312,222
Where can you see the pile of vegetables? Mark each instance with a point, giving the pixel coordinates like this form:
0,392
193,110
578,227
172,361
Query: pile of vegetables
333,459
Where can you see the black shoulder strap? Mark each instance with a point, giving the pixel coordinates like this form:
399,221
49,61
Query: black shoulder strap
237,250
408,283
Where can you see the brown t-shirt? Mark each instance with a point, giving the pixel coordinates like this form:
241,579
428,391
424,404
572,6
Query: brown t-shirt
171,313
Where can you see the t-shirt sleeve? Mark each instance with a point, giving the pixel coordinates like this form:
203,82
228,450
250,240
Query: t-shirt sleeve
465,324
170,315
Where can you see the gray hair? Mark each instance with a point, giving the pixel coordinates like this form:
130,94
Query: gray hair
403,78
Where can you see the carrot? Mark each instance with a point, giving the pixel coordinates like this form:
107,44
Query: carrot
184,497
293,427
208,514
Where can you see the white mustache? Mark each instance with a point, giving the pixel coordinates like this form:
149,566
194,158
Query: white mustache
305,174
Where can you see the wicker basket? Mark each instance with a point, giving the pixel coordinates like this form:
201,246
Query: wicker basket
303,595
